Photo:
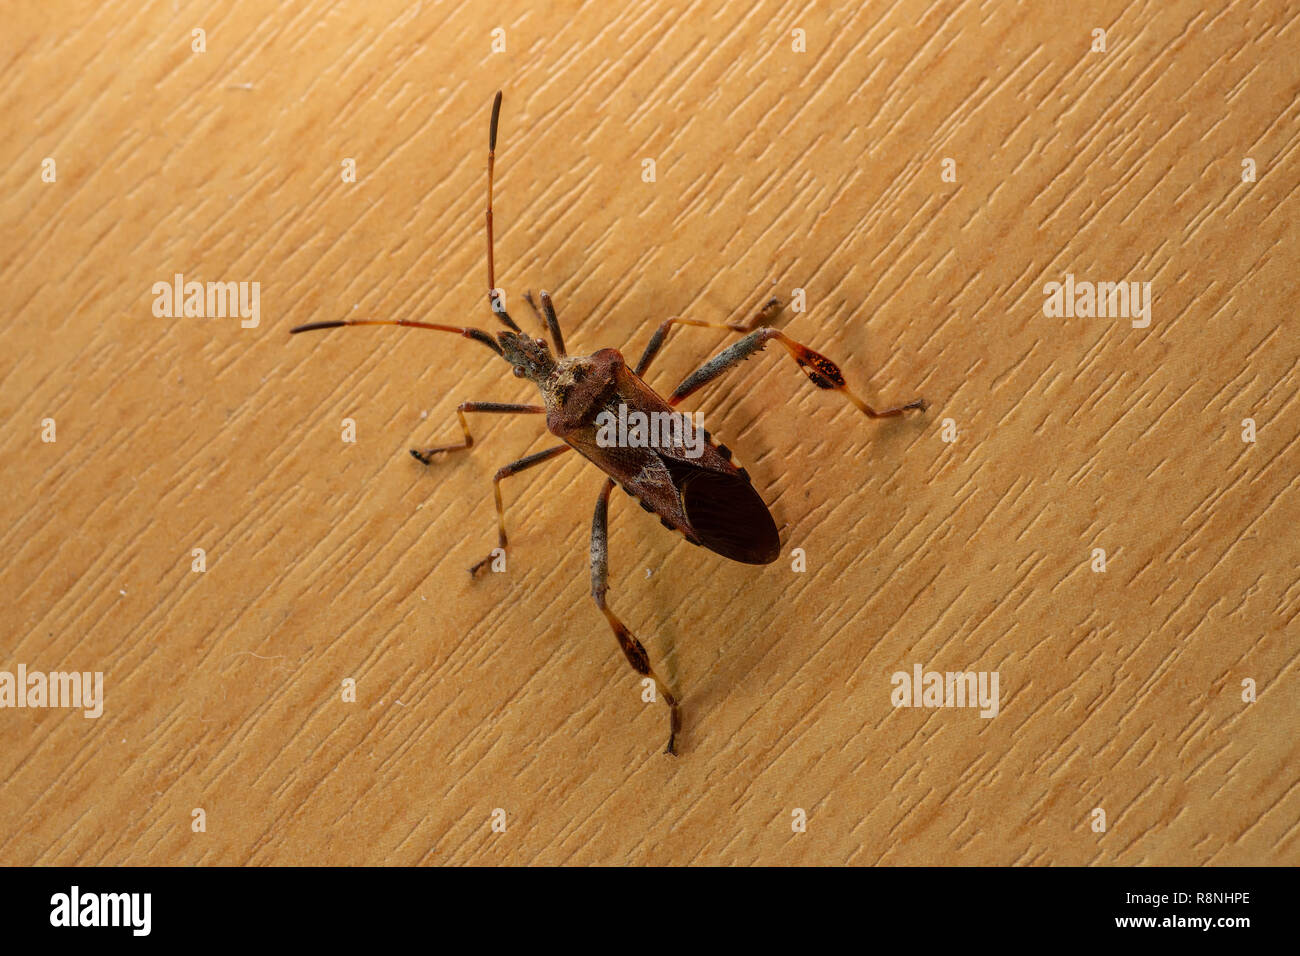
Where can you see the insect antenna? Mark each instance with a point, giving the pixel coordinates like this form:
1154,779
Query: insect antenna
494,299
478,335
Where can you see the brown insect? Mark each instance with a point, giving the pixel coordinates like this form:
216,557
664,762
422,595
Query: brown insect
700,492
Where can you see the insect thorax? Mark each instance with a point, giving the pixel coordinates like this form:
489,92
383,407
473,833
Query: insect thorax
578,388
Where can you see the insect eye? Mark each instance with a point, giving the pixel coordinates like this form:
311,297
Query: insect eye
541,343
519,371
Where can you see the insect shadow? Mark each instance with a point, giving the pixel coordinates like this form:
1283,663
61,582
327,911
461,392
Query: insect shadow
705,497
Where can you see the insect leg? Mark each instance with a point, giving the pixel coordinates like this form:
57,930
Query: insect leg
771,309
549,320
632,649
427,454
513,469
820,370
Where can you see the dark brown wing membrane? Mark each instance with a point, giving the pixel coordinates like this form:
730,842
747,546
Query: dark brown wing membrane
729,517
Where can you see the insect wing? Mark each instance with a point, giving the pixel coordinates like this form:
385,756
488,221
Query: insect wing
728,515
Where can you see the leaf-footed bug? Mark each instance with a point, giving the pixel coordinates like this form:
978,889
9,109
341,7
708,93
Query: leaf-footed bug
706,497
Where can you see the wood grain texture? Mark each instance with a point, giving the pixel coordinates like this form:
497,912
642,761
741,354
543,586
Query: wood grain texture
775,170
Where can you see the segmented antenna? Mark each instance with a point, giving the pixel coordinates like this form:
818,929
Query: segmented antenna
478,335
494,301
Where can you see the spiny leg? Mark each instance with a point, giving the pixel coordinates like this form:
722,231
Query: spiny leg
514,468
427,454
820,370
632,649
771,309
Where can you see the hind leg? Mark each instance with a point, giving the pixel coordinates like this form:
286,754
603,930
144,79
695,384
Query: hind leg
632,649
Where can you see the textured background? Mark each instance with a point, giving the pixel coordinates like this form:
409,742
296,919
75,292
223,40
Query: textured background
776,170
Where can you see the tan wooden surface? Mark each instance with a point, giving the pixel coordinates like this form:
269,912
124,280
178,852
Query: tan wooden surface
775,170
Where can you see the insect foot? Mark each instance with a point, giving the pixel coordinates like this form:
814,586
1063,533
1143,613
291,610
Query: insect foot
674,724
424,458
